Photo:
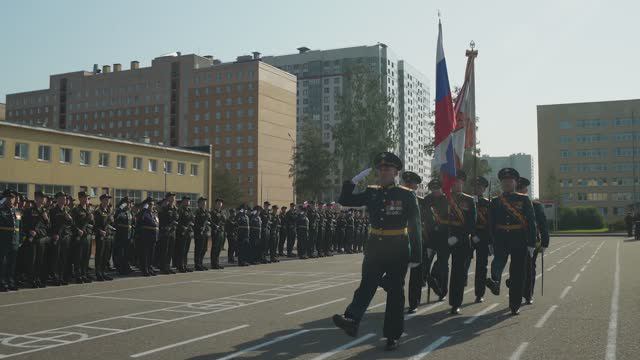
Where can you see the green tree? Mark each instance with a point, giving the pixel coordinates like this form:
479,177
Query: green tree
225,186
366,124
552,189
312,164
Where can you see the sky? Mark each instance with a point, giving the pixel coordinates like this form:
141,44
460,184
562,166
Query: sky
530,52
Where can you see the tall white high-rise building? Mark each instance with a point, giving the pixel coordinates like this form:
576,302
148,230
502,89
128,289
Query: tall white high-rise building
320,75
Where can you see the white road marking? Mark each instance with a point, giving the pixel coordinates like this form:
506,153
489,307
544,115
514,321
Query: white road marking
612,333
546,316
575,278
377,306
551,267
237,283
188,341
431,348
315,306
589,261
582,269
519,351
477,315
565,292
99,328
344,347
133,299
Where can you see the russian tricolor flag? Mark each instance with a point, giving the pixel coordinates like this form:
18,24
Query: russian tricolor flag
444,156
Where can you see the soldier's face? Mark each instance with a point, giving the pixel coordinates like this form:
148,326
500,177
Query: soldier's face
12,200
61,201
104,202
219,204
480,189
523,190
202,204
508,185
387,174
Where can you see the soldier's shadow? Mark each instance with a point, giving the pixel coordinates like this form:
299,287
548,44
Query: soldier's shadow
314,338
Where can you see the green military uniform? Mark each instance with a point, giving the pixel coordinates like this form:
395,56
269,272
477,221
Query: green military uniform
61,233
10,219
395,240
123,220
81,244
218,219
290,224
168,217
437,231
202,234
184,237
104,239
302,232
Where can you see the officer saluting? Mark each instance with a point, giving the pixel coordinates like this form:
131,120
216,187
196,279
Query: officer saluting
395,242
513,227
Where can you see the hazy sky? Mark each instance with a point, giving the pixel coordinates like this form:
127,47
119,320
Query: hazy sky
530,52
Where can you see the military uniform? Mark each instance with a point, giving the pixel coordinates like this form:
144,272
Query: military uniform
513,227
481,243
302,233
290,222
542,237
282,230
274,236
202,234
123,221
10,219
61,233
349,232
310,245
83,222
244,245
231,230
184,237
168,216
255,235
341,225
148,227
265,236
218,220
437,223
395,241
104,240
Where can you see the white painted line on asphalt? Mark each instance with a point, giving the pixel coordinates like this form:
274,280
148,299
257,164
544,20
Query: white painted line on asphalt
264,344
612,333
582,269
551,267
589,261
344,347
189,341
565,292
133,299
144,318
431,348
315,306
377,306
237,283
519,351
99,328
482,312
575,278
546,316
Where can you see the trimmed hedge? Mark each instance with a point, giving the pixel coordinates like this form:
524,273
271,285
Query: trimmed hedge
580,218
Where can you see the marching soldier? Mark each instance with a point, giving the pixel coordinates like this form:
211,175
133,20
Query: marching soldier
61,232
437,233
542,243
202,233
394,245
184,235
462,226
10,218
104,232
302,232
83,222
168,216
513,227
411,180
231,230
123,220
243,229
218,220
148,227
482,239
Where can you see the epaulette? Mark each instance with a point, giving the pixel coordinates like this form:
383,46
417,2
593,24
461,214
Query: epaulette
373,187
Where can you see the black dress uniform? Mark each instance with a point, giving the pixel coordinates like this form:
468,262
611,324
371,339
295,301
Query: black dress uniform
290,221
481,242
310,244
395,241
61,232
231,230
274,236
148,227
36,227
123,221
202,234
437,223
10,219
349,232
282,230
462,226
302,232
513,227
255,235
341,225
168,216
218,219
243,229
184,237
104,239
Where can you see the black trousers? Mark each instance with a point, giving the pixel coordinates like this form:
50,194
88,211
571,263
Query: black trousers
8,258
416,281
244,251
216,247
291,239
121,250
440,269
384,256
273,244
460,254
145,246
232,251
103,253
166,248
530,275
302,234
200,244
282,240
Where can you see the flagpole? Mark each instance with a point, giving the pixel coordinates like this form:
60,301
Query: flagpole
472,54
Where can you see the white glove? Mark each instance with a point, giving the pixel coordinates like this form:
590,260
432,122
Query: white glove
475,239
413,265
429,252
452,240
531,250
363,174
491,250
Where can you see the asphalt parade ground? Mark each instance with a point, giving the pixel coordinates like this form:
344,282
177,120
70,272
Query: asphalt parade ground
590,310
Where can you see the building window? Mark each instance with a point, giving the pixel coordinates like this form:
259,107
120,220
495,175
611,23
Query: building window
1,148
85,157
53,189
564,124
103,160
137,163
168,167
181,168
121,162
65,155
133,195
44,153
194,170
153,165
21,151
250,165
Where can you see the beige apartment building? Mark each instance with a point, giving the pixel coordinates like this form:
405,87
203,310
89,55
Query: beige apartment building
41,159
244,109
588,154
2,112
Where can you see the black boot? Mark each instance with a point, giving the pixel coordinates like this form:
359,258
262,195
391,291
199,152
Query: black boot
349,326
